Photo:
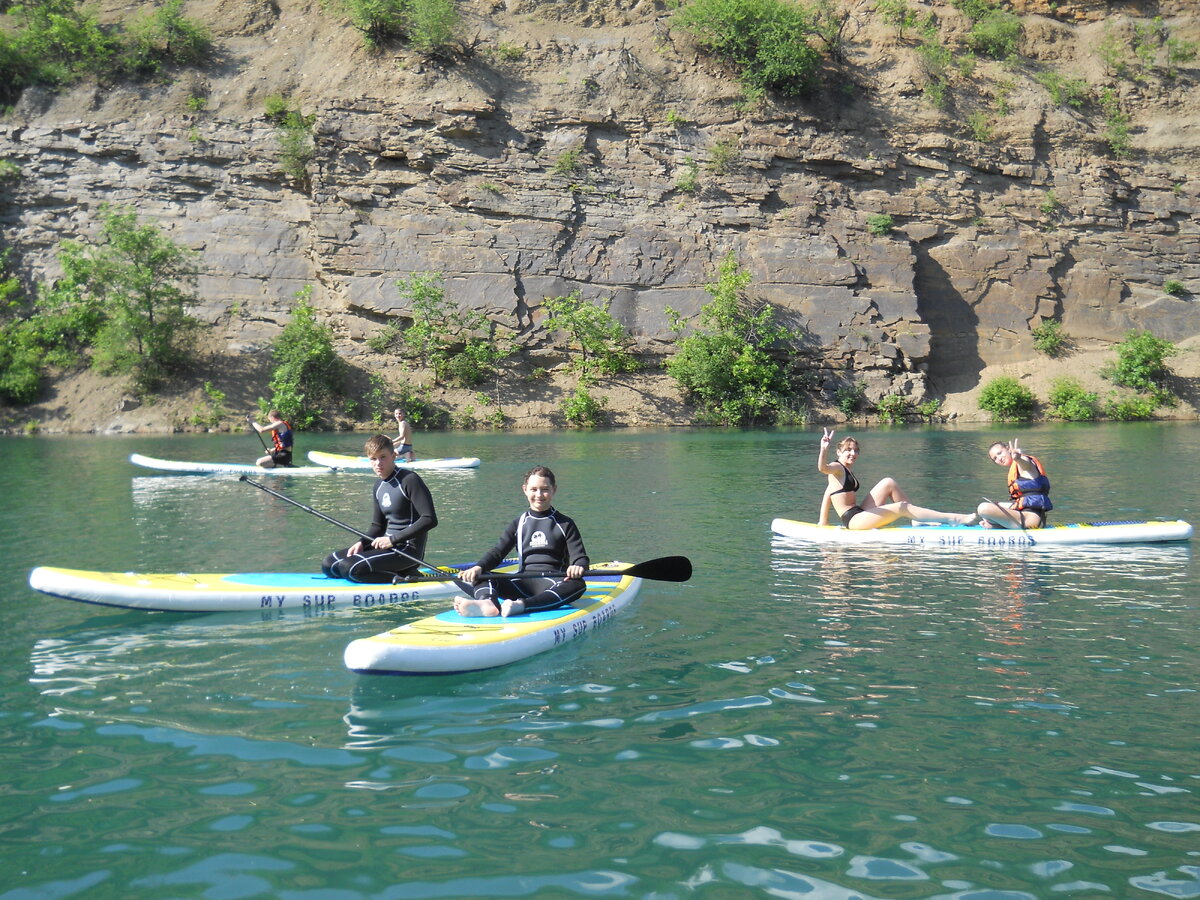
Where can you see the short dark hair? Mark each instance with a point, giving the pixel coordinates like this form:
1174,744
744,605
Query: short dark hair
544,472
378,444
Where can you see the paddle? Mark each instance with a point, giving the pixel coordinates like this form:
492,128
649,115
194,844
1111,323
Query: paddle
664,568
332,521
250,422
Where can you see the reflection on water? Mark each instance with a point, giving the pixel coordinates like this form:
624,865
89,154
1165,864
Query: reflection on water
795,721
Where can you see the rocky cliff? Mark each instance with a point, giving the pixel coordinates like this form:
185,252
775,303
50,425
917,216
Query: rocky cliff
1008,207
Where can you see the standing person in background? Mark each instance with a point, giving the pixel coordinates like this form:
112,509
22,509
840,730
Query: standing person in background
403,441
885,504
1028,486
546,542
399,530
281,437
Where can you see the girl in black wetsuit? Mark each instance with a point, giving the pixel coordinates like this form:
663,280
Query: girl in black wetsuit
545,541
886,502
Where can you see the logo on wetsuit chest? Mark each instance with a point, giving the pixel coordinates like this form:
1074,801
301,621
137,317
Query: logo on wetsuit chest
538,539
385,501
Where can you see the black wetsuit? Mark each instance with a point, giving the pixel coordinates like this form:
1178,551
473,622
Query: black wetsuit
545,542
404,512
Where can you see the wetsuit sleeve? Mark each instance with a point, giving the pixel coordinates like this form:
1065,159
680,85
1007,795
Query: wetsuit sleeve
424,515
503,547
576,552
378,526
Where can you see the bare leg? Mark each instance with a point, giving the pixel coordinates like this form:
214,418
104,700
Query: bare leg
887,491
878,516
1002,515
265,462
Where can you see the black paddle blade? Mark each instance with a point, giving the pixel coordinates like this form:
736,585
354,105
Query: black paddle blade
665,568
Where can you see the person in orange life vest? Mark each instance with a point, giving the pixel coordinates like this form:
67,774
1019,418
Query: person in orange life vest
1027,485
886,502
281,436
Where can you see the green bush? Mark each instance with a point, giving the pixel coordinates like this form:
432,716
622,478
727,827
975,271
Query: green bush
997,35
896,13
689,178
880,224
1064,91
892,408
1069,400
1007,399
929,409
429,25
1141,365
432,24
1130,408
583,410
1049,338
767,41
137,284
308,374
294,132
56,42
725,367
602,342
849,397
1116,125
1174,288
164,36
458,345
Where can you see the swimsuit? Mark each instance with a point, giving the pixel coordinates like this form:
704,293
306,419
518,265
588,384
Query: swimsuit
850,514
849,483
849,486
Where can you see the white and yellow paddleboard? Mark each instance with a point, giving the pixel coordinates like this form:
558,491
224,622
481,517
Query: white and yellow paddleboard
338,461
184,592
182,467
449,642
977,536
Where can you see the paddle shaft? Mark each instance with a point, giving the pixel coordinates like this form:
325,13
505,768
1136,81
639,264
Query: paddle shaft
260,437
664,568
332,521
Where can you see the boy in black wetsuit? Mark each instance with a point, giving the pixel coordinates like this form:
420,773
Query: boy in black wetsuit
546,541
404,514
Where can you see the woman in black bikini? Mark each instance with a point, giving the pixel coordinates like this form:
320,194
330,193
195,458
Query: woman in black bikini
886,502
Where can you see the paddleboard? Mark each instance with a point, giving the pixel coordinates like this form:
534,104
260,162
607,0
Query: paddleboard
180,467
1131,532
184,592
338,461
449,642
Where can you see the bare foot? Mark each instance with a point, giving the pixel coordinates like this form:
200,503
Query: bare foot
512,608
469,606
971,519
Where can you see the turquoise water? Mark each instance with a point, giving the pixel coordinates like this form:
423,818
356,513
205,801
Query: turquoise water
794,722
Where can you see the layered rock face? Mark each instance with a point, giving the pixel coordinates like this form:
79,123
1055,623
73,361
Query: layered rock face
590,147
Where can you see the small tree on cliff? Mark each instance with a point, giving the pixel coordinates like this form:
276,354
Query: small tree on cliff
725,367
133,286
308,372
